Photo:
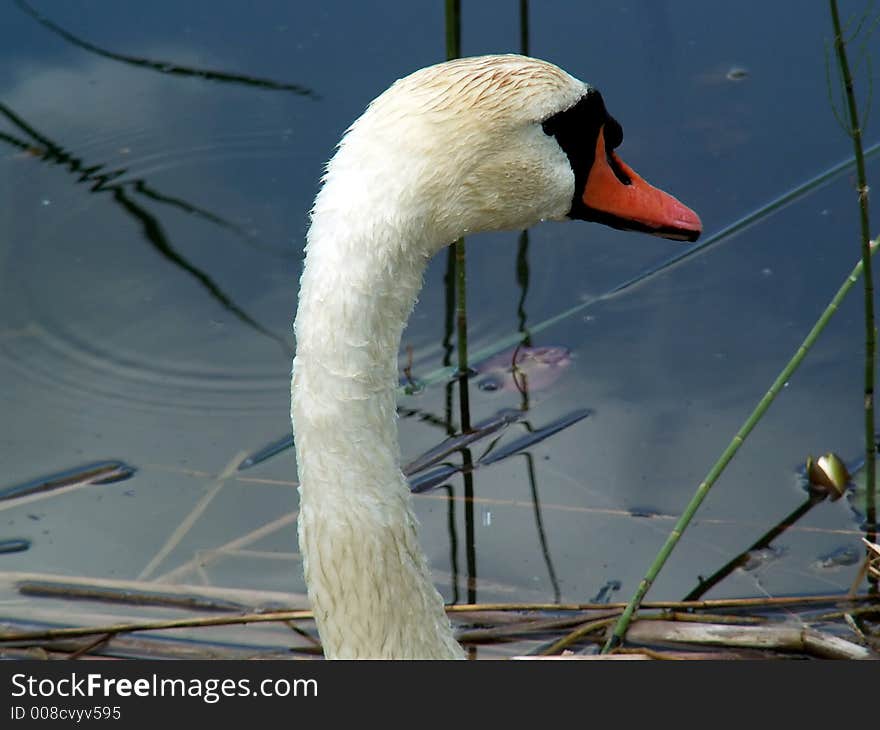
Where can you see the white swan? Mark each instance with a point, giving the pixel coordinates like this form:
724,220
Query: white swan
476,144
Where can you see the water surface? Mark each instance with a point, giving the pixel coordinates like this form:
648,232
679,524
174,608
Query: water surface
157,165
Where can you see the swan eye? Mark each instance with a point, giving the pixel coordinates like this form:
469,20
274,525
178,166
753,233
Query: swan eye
614,138
577,121
577,131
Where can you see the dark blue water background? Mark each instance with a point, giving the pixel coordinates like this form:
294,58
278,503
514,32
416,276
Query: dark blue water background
151,232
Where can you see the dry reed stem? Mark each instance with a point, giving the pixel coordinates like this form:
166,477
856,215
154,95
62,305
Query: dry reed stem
786,601
75,631
784,637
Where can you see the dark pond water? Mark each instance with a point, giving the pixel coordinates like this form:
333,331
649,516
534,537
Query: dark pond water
153,218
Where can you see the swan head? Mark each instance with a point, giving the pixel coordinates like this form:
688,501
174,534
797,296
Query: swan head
489,143
497,143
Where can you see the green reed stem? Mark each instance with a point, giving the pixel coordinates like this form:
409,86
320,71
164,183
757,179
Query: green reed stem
461,329
623,622
453,50
855,131
453,29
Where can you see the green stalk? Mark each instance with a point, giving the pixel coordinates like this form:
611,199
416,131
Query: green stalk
461,328
623,622
457,257
456,269
453,29
855,131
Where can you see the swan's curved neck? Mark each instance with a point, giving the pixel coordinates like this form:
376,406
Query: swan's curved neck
367,577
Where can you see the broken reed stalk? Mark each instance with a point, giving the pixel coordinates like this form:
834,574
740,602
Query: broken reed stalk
787,638
782,637
620,629
855,132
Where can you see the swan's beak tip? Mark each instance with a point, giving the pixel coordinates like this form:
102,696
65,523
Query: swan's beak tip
687,221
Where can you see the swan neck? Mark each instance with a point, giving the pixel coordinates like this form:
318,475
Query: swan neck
368,580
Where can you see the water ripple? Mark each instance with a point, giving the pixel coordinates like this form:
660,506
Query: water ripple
59,360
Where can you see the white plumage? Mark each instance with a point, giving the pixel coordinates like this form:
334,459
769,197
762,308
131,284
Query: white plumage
449,150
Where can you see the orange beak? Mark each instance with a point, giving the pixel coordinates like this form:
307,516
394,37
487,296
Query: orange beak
625,200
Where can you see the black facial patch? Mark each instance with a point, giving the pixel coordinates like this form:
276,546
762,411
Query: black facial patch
577,130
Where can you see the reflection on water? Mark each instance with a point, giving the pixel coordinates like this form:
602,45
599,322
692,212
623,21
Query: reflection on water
174,357
42,148
422,477
165,67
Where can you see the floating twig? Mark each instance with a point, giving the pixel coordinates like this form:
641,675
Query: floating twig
73,591
100,472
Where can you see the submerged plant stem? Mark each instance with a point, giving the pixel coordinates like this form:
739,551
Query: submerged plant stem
764,541
461,329
620,628
855,131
